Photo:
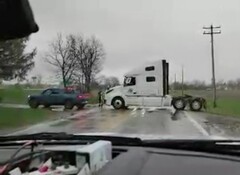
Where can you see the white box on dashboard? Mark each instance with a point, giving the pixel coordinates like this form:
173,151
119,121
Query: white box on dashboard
96,155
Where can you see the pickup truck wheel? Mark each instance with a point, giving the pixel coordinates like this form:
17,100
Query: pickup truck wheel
196,105
46,106
179,103
118,103
68,105
80,106
33,103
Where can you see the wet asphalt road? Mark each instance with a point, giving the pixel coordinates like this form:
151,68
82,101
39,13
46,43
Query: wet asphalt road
142,123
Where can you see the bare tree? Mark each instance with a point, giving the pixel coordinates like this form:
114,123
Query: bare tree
61,58
220,82
101,80
112,81
90,55
34,80
231,84
39,79
238,83
108,81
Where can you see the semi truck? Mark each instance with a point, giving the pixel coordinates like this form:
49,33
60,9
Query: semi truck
148,86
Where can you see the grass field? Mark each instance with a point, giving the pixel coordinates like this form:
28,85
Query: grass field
94,97
12,118
228,102
16,95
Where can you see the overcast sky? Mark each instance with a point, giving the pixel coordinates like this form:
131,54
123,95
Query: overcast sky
138,31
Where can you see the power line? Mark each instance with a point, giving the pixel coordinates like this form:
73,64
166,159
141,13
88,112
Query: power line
210,31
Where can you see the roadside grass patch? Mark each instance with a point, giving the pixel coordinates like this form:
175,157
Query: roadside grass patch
94,97
225,106
16,95
93,100
14,117
61,123
228,102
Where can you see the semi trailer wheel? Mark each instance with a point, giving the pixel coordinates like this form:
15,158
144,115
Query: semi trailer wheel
179,103
196,105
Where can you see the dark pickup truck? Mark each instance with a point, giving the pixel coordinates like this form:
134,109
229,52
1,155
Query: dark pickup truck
56,96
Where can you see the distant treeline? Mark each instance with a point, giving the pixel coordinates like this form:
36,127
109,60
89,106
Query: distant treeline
202,85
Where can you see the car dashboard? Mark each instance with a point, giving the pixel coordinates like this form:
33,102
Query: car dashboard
102,158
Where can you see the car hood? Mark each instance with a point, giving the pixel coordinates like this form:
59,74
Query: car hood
33,96
116,88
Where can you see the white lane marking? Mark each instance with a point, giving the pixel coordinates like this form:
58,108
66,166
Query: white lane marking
134,109
143,112
196,124
134,112
26,130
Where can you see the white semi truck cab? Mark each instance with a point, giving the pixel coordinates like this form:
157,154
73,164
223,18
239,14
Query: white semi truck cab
147,86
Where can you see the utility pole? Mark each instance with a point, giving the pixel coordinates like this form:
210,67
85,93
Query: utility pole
182,81
210,31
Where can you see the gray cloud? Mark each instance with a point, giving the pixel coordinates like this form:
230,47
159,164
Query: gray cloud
137,31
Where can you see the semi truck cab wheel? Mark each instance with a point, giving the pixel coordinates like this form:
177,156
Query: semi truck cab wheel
179,103
118,103
196,105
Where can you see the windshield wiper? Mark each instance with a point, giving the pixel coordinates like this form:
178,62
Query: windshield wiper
186,143
163,143
229,147
62,136
211,146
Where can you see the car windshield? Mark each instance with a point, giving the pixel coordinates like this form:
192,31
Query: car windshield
149,69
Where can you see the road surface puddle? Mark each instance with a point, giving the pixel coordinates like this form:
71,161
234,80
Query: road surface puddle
61,123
